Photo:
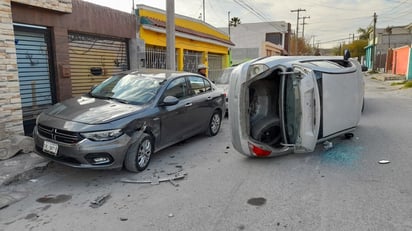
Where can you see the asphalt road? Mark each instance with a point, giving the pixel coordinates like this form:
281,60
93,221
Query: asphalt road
342,188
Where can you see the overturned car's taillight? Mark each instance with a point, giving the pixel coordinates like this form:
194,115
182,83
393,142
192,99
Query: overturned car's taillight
258,151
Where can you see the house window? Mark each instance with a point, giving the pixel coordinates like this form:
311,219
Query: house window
275,38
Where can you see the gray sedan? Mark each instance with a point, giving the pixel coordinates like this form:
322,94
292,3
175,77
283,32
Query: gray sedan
127,118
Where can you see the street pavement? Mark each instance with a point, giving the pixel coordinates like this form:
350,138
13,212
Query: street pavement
25,166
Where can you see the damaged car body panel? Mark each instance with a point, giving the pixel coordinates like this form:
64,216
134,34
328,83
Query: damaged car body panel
282,105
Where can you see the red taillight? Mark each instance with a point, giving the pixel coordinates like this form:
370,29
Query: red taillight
259,152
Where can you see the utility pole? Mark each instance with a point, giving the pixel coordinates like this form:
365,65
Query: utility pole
297,28
228,22
170,35
204,15
303,25
374,43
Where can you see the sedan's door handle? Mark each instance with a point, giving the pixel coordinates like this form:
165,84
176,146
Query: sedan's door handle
209,98
188,104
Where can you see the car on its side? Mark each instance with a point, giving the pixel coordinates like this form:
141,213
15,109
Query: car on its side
129,116
288,104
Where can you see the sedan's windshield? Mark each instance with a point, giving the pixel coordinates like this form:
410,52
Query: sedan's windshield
134,89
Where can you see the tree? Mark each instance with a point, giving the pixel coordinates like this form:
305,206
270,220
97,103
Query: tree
356,48
234,21
364,33
304,48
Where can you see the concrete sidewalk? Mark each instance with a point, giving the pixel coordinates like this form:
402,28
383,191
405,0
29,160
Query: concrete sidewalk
20,166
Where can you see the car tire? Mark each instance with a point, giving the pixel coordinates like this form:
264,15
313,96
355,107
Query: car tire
267,131
139,154
214,124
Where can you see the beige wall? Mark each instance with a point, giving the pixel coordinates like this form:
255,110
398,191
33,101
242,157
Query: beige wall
56,5
10,103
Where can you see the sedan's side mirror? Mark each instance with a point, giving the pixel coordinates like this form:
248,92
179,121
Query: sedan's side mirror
169,101
364,68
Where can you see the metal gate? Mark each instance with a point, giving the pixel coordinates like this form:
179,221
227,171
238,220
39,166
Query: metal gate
93,59
191,59
33,54
215,66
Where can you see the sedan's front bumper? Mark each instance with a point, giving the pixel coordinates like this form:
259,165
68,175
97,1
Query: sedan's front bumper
86,153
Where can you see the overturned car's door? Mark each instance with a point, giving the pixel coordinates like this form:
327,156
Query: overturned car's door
301,109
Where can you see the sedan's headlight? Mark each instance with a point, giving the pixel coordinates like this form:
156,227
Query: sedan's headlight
102,135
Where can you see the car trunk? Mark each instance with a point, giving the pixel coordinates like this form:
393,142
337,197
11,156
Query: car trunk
264,109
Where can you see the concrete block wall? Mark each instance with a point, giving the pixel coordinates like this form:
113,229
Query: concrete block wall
11,118
57,5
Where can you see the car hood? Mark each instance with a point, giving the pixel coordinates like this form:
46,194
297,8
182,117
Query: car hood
89,110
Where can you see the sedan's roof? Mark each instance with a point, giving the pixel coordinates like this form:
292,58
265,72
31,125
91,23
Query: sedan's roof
158,73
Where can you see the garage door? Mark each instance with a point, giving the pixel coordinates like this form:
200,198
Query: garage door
94,59
32,49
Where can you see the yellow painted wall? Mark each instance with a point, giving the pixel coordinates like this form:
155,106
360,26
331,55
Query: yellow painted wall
190,24
159,39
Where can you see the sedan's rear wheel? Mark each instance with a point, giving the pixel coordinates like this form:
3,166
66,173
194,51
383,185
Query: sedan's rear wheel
139,154
214,124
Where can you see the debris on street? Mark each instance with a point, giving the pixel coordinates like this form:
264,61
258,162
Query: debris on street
327,145
384,162
156,180
100,200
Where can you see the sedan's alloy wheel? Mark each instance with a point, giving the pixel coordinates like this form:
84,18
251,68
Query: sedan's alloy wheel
144,153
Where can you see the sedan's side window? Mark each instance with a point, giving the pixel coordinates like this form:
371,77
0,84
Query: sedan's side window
208,86
197,85
177,88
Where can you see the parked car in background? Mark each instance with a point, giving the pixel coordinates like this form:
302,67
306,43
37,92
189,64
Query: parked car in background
286,104
128,117
222,82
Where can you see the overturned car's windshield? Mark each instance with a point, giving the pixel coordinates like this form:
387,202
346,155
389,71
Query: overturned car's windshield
134,89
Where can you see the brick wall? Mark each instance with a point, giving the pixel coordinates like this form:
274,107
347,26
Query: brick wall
57,5
11,122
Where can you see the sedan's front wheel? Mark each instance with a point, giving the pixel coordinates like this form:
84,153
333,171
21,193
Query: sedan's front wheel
214,124
139,154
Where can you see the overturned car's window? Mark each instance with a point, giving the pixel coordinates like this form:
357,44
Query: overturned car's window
329,63
134,89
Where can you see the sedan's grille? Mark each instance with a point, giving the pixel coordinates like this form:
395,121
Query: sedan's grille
59,135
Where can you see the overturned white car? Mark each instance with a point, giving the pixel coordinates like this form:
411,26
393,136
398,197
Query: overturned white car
286,104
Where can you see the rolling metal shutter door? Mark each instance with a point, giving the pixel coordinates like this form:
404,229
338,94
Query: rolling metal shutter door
90,54
34,73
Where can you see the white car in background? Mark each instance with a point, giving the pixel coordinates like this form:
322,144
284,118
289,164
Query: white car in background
285,104
222,82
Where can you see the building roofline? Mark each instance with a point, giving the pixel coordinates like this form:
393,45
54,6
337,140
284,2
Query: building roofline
152,23
157,10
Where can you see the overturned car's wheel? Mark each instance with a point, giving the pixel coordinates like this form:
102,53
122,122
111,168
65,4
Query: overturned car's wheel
214,124
266,131
139,154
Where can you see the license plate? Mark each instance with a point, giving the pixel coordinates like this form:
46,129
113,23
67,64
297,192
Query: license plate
50,148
